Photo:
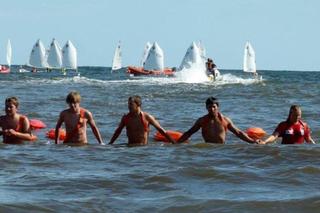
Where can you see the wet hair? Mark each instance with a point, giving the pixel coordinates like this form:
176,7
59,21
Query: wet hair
212,100
292,109
12,100
73,97
136,99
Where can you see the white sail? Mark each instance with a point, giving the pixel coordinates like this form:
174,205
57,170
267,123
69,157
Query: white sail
155,59
145,53
69,56
249,59
192,56
38,55
54,55
117,58
9,53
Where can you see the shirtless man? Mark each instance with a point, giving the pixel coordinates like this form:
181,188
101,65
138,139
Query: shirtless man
214,126
15,127
76,119
137,124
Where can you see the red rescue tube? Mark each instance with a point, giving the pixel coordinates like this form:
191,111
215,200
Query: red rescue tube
175,135
51,134
256,132
37,124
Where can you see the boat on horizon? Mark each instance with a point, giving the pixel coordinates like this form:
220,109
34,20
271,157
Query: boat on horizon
54,57
69,57
153,64
249,61
3,68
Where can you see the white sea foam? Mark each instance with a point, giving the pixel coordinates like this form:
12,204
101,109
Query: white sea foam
194,75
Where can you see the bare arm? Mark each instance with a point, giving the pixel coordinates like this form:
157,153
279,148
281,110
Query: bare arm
272,138
1,132
156,124
310,140
191,131
94,127
308,137
58,125
25,133
240,134
118,131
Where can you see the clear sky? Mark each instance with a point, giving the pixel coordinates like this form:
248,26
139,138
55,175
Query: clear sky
284,33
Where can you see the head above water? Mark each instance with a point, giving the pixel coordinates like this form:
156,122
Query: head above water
212,106
73,97
11,105
135,99
12,100
134,103
294,114
211,101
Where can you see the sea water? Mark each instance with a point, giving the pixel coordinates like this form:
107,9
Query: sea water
194,177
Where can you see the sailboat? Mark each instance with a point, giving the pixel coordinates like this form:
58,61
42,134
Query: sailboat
192,56
249,59
69,57
145,53
117,58
4,69
153,65
37,59
54,55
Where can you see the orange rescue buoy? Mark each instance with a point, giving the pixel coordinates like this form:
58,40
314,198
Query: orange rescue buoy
51,134
256,132
175,135
37,124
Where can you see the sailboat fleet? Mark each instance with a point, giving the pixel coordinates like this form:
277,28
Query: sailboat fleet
152,61
55,58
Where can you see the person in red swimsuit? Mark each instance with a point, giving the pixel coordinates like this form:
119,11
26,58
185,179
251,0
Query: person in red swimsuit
75,119
214,126
15,127
137,124
293,130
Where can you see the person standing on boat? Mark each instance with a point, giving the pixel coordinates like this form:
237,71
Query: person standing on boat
214,126
137,124
76,119
15,127
293,130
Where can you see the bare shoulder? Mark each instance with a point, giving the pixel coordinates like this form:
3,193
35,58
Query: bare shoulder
64,113
1,119
148,116
202,120
87,113
227,119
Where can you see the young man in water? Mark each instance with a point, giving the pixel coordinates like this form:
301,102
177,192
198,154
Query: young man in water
15,127
76,119
293,130
137,124
214,126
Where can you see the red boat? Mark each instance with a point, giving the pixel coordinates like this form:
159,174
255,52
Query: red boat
4,69
141,71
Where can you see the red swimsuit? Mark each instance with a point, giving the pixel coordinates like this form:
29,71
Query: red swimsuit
293,133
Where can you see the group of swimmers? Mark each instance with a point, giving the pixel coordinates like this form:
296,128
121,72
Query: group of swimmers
214,125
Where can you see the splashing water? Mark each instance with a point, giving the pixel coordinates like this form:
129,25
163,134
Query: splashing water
195,74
